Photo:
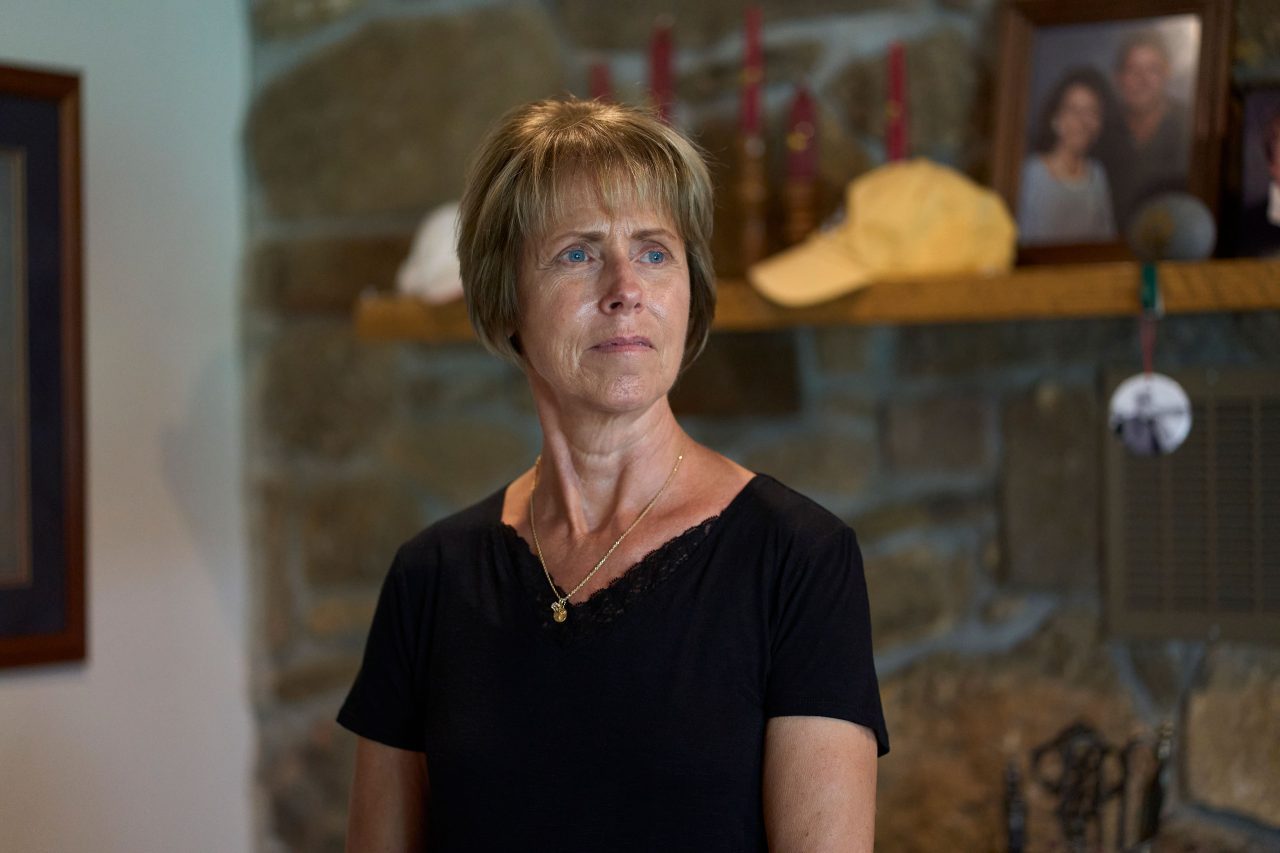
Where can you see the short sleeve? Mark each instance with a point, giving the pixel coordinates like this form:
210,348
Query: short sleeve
821,661
385,703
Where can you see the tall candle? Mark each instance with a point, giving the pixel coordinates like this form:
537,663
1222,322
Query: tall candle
800,193
600,82
802,149
752,73
896,127
660,89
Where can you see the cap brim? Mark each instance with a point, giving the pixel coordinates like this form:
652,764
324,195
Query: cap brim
817,270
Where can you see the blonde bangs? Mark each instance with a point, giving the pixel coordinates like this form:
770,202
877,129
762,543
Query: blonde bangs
640,176
529,169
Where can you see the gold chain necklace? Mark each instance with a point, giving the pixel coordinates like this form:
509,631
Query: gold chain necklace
560,609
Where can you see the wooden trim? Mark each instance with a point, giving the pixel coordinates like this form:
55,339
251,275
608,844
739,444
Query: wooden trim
70,643
73,368
1012,94
41,84
1081,290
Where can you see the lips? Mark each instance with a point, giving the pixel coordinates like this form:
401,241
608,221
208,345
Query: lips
630,343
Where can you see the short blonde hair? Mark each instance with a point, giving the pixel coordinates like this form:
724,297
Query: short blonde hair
521,176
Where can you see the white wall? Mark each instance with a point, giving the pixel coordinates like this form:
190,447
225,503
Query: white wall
148,746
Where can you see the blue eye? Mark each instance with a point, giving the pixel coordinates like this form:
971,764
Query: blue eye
655,256
575,256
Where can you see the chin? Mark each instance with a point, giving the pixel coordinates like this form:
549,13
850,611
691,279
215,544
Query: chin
632,394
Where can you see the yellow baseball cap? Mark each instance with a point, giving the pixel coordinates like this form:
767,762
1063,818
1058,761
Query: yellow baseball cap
908,219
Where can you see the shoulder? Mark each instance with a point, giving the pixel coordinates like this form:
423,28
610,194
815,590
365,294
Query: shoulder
1036,178
790,518
450,538
1175,127
1033,169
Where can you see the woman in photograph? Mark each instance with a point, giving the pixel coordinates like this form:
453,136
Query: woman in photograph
637,644
1063,195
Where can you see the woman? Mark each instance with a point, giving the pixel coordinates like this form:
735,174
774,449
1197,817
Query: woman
1064,196
637,644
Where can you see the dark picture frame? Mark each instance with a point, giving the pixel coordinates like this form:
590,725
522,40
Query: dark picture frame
1253,199
1052,57
42,560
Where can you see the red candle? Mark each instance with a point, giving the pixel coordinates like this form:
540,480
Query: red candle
600,82
752,74
895,131
802,148
660,90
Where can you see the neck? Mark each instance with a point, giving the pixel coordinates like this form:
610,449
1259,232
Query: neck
1065,162
1142,125
598,470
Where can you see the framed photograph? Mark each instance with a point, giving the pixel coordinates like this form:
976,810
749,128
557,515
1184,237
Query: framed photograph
42,594
1257,214
1103,106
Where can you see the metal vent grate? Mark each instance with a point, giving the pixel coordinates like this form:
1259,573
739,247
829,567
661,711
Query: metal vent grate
1193,538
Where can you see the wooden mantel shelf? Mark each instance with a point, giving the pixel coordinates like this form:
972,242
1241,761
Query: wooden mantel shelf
1084,290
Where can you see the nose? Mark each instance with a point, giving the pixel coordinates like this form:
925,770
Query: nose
623,289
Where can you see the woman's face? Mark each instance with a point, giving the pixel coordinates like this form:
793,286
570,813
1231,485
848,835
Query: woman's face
1078,120
603,305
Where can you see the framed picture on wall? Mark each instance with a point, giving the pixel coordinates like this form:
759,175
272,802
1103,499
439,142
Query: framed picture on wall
42,592
1103,106
1257,214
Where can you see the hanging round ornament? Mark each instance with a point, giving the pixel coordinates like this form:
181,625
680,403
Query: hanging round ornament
1151,414
1172,226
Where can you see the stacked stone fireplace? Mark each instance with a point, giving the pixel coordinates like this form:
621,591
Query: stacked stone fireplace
966,457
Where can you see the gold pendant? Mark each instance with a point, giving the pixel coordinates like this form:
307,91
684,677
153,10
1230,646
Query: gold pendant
559,611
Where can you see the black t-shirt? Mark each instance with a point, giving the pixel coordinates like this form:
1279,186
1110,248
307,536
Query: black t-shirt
637,724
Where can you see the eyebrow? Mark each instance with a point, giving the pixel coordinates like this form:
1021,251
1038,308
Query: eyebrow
581,235
642,234
646,233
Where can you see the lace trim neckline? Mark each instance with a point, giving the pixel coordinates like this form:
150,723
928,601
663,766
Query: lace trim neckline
607,604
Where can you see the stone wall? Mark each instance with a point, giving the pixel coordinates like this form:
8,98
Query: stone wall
965,456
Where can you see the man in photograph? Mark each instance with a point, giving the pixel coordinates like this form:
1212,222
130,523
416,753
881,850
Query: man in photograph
1260,229
1147,149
